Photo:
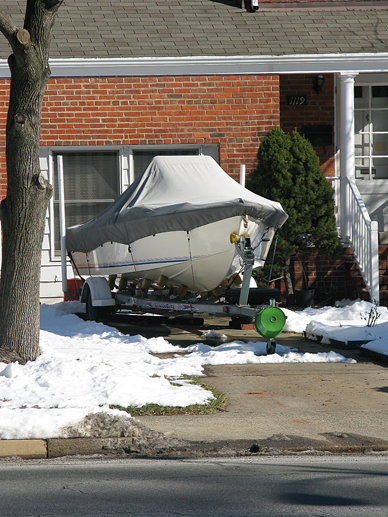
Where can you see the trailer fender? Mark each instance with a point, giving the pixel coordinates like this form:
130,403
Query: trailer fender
97,288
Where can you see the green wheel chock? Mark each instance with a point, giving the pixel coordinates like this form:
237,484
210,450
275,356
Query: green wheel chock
270,322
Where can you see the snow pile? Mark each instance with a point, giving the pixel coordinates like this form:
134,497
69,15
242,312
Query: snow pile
345,314
86,366
356,321
349,321
238,352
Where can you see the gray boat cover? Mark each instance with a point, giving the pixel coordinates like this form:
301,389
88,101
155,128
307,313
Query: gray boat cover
173,193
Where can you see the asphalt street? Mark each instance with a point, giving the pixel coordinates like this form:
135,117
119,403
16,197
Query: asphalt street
265,486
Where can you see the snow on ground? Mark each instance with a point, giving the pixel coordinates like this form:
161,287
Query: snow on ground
356,321
348,321
86,366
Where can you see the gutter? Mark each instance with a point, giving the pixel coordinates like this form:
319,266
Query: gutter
216,65
358,5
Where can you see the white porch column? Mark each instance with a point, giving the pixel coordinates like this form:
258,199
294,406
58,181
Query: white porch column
347,161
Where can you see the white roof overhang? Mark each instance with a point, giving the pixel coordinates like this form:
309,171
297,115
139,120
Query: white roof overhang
216,65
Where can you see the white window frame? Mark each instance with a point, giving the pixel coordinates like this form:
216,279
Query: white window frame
208,149
370,80
47,155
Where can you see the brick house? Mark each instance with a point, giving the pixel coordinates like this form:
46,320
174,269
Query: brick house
131,80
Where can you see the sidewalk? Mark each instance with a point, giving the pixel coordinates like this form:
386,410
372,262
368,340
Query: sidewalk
272,408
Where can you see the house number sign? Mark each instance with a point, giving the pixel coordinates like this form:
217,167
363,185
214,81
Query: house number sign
296,100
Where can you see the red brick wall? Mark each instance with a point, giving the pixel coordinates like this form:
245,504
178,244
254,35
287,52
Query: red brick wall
336,278
233,112
229,111
318,110
383,269
331,278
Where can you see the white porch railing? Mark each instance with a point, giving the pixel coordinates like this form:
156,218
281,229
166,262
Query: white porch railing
364,240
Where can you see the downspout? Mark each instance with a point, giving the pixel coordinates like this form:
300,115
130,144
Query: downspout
242,175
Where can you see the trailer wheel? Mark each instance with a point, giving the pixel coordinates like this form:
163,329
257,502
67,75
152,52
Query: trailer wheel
96,313
257,295
99,291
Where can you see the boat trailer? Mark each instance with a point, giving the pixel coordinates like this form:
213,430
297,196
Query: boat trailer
101,300
268,319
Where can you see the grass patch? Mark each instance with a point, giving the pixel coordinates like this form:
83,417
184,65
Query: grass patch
213,406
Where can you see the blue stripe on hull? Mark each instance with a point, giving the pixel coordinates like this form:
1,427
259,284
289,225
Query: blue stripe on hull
139,264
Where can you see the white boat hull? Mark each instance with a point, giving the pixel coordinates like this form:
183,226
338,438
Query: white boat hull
200,259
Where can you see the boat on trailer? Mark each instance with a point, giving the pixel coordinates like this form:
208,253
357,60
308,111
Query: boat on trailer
183,223
177,225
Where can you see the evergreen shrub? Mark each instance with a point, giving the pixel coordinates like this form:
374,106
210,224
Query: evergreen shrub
288,171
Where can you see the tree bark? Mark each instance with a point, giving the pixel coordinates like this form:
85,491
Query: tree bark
23,211
287,277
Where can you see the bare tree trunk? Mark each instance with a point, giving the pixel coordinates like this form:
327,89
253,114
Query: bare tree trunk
23,211
287,277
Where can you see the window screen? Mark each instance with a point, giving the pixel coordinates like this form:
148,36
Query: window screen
91,184
142,158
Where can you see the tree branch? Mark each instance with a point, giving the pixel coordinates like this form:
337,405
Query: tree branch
8,29
49,4
23,37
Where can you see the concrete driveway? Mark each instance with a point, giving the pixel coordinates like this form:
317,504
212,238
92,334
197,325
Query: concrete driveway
283,406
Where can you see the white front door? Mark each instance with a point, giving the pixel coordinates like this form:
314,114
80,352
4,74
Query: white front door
371,131
371,148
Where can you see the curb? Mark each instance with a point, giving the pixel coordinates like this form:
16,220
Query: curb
58,447
26,449
51,448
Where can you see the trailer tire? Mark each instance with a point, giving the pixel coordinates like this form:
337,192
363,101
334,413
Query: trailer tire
96,313
257,295
91,312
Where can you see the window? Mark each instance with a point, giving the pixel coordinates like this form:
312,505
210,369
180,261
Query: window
91,183
371,132
142,158
94,178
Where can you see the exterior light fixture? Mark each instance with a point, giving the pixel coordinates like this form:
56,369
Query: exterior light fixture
319,81
254,5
